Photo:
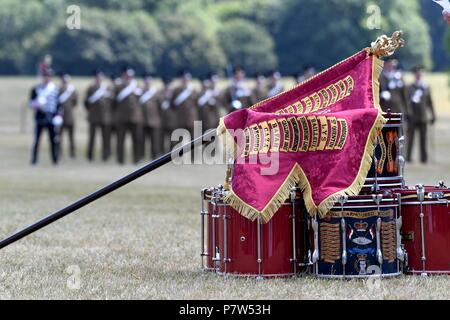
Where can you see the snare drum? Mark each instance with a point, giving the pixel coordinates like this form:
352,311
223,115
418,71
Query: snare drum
358,238
426,228
234,245
387,168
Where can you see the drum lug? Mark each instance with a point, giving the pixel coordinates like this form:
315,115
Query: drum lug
379,254
344,244
315,227
400,250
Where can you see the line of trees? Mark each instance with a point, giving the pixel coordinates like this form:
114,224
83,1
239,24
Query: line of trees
165,36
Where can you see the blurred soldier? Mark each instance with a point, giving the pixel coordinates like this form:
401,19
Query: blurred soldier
275,85
184,100
48,115
208,104
150,101
68,100
308,72
392,87
420,103
259,92
98,106
127,114
169,116
237,95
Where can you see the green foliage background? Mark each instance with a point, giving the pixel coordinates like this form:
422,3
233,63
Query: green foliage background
166,36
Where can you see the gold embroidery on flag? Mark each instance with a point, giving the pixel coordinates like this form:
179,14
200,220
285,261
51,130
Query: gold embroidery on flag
323,132
275,131
350,85
334,132
256,139
290,109
322,98
305,134
266,136
286,135
334,93
344,134
342,89
326,97
298,107
247,142
295,135
309,104
315,133
317,103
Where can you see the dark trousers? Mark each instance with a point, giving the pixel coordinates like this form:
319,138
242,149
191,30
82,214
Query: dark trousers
105,131
70,129
121,131
422,129
152,138
53,135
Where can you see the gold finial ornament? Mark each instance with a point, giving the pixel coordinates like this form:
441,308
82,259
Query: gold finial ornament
385,46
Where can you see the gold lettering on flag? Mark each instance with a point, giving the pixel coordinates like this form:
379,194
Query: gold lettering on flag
315,133
334,93
322,98
309,104
350,85
342,90
334,133
266,134
326,97
299,134
343,135
247,142
275,130
323,132
316,98
286,135
305,134
256,139
296,134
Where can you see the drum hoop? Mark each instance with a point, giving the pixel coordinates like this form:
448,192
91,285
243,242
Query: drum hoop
383,275
390,125
384,179
425,202
366,207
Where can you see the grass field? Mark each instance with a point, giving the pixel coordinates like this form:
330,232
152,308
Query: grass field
143,241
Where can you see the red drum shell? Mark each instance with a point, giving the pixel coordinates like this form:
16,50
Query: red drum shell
436,227
238,248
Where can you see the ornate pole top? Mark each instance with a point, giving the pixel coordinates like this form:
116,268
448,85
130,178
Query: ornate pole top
385,46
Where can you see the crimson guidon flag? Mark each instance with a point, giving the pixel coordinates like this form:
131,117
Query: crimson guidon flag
318,135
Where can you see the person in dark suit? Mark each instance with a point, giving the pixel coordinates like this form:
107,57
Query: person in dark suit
98,105
420,113
68,99
47,114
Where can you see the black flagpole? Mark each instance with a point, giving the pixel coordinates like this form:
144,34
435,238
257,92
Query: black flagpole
206,138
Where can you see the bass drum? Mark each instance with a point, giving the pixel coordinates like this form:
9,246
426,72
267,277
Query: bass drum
358,238
426,228
235,245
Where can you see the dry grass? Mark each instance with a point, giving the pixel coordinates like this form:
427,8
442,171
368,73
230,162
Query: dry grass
143,242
